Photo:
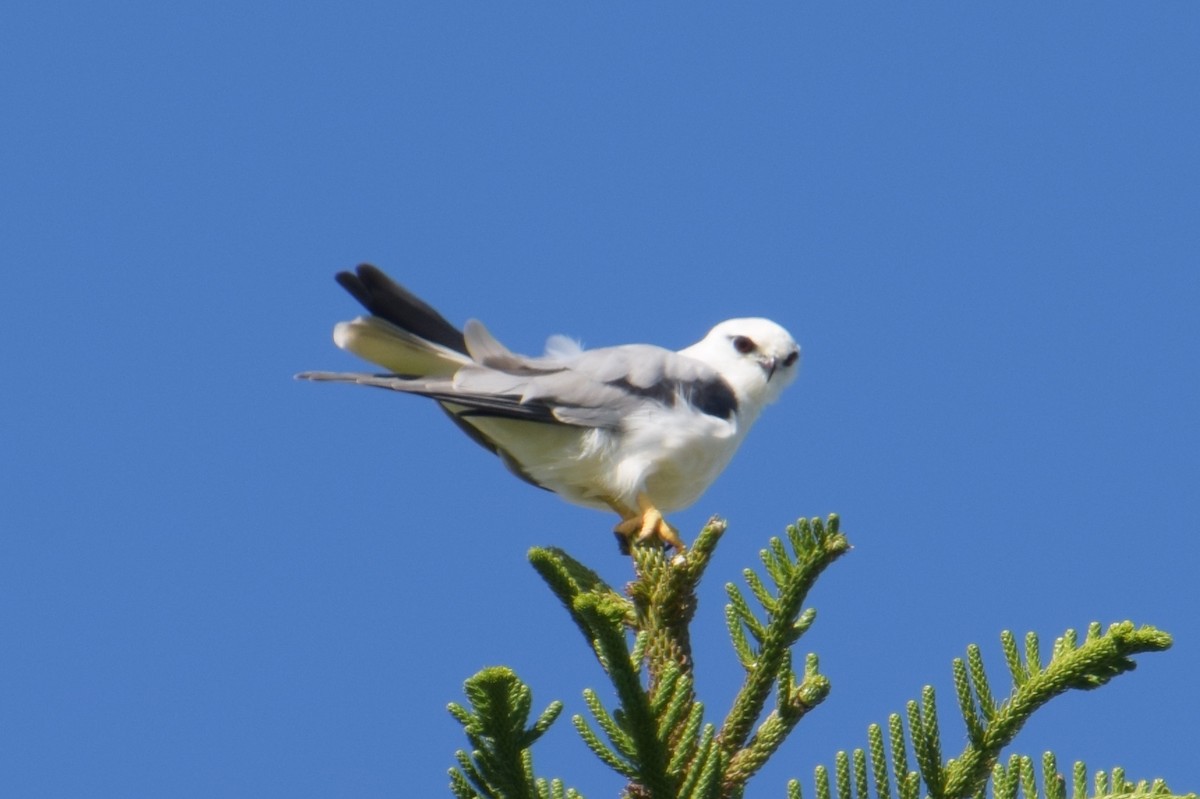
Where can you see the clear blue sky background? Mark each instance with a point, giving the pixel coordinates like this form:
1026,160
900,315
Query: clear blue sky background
980,222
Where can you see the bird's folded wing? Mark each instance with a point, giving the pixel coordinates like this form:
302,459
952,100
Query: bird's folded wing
596,388
506,405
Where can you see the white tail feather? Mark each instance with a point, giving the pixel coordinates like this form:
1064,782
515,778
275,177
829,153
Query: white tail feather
397,350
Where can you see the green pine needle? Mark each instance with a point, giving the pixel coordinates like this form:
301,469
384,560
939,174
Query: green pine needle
992,725
500,765
653,731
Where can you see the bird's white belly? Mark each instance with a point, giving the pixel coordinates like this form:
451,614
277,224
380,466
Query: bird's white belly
670,458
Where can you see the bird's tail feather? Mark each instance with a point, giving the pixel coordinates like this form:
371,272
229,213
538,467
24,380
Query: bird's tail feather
396,349
363,379
390,301
404,333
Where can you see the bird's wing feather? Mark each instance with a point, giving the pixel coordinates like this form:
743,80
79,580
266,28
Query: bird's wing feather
596,388
506,405
599,388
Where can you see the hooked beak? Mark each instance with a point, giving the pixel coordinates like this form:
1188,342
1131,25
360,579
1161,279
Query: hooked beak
768,366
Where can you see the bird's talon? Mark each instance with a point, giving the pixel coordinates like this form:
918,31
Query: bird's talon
647,526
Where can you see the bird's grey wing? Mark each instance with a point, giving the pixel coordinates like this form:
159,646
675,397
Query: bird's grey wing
486,351
443,390
599,388
596,388
658,375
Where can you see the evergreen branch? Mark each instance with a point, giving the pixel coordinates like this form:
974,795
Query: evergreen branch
637,750
1100,658
822,780
775,560
664,602
1053,784
743,615
979,682
1033,658
548,717
647,752
795,700
861,789
500,765
932,743
684,754
664,597
815,549
637,653
1009,644
623,745
991,726
879,764
654,736
966,702
466,781
1056,784
759,589
701,781
841,772
672,701
1018,778
554,789
569,579
608,755
667,694
1029,785
696,559
679,721
801,625
657,737
1006,780
737,634
900,772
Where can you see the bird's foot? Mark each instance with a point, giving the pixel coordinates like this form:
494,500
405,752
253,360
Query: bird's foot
644,526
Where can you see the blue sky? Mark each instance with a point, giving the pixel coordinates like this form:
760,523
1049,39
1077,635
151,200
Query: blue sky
980,222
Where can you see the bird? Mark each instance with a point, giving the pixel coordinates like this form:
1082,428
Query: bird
636,429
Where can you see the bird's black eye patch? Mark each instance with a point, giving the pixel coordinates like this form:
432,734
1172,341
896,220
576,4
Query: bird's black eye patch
744,345
791,359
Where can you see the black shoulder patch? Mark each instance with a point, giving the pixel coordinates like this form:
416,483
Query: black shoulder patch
713,397
664,393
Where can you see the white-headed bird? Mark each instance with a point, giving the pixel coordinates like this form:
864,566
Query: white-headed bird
636,429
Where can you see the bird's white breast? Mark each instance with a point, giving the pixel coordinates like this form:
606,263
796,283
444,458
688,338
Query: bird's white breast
675,456
671,457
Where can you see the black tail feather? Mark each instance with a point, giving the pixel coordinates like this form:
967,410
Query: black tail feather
390,301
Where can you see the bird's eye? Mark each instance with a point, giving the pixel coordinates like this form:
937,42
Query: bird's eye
792,357
744,345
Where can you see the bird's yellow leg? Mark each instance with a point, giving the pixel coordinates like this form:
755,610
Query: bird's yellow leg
630,524
645,524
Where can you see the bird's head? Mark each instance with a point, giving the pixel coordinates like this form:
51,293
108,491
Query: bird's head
757,357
